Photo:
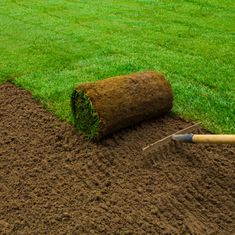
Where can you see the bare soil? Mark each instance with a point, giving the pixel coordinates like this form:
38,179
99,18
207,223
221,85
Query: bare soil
52,181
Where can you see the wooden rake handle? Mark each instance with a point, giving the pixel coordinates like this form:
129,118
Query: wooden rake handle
206,139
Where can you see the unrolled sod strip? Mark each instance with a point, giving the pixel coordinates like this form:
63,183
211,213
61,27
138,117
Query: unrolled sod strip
108,105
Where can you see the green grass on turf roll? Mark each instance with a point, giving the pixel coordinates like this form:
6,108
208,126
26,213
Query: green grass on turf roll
87,120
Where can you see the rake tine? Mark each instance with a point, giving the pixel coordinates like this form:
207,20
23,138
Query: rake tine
154,146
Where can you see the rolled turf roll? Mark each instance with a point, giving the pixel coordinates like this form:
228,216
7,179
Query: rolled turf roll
108,105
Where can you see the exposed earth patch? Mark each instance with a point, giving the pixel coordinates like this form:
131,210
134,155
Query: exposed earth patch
53,181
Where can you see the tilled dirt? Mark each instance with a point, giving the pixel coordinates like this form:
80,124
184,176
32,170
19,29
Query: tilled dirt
52,181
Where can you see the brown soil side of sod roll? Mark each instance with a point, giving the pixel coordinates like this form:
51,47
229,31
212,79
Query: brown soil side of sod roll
53,181
119,102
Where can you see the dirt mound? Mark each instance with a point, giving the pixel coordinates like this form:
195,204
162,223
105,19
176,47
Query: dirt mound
52,181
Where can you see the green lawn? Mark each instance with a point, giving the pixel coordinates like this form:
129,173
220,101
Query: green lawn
49,46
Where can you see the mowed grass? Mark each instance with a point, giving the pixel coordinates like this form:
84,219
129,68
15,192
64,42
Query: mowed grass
48,47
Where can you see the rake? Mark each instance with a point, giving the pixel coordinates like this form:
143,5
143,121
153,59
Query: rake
186,136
